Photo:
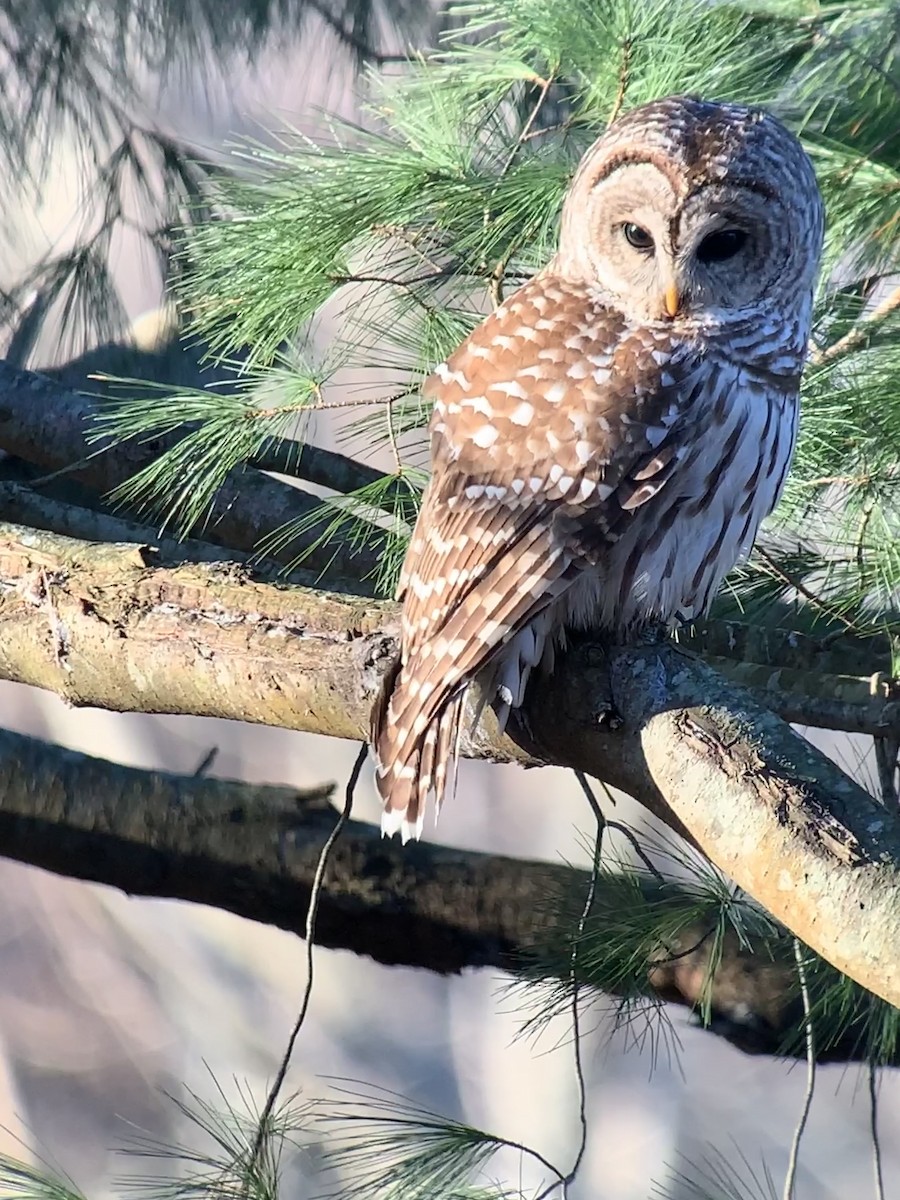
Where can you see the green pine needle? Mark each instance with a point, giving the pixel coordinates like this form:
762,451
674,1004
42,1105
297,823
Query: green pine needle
21,1180
220,432
379,514
717,1176
381,1146
218,1162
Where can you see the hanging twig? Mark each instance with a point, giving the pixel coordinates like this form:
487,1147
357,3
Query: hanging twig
617,826
314,896
873,1123
791,1175
576,996
563,1183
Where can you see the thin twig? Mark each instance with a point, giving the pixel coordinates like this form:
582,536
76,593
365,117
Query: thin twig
563,1184
677,955
867,510
591,798
873,1124
576,996
623,81
499,272
860,333
393,280
392,439
791,1175
314,896
804,591
617,826
363,403
411,238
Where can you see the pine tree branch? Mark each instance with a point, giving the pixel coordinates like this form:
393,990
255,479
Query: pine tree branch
851,703
835,653
326,468
97,626
859,335
168,364
48,425
22,505
252,850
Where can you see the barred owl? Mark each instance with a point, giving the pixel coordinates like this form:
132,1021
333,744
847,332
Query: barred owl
606,443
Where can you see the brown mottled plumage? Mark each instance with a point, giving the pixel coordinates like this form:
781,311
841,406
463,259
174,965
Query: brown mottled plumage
606,444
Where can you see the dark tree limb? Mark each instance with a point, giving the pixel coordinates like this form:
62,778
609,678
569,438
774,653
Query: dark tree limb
253,850
49,426
23,505
99,626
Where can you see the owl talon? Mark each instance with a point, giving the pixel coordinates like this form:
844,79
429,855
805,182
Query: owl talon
610,719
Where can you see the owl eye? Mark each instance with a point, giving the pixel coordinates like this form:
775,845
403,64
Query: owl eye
637,237
721,245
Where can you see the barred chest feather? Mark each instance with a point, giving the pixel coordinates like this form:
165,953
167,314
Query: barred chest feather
668,562
668,557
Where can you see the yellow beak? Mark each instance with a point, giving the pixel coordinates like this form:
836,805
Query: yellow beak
671,300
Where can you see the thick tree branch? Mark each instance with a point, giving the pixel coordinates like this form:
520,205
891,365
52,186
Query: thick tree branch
850,703
98,626
327,468
253,850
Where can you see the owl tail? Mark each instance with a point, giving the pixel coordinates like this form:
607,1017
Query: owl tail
414,755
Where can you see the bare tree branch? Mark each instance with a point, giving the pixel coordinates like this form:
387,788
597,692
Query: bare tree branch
252,850
97,625
851,703
22,505
326,468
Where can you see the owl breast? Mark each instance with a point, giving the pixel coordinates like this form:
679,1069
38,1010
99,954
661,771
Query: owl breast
672,555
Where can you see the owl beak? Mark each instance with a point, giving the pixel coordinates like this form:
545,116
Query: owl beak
671,300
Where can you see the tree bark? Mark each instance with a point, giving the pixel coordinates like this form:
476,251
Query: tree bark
253,850
101,626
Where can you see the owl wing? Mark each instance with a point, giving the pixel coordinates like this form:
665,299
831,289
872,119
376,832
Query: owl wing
552,424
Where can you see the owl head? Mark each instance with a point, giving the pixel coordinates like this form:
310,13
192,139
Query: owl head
686,210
